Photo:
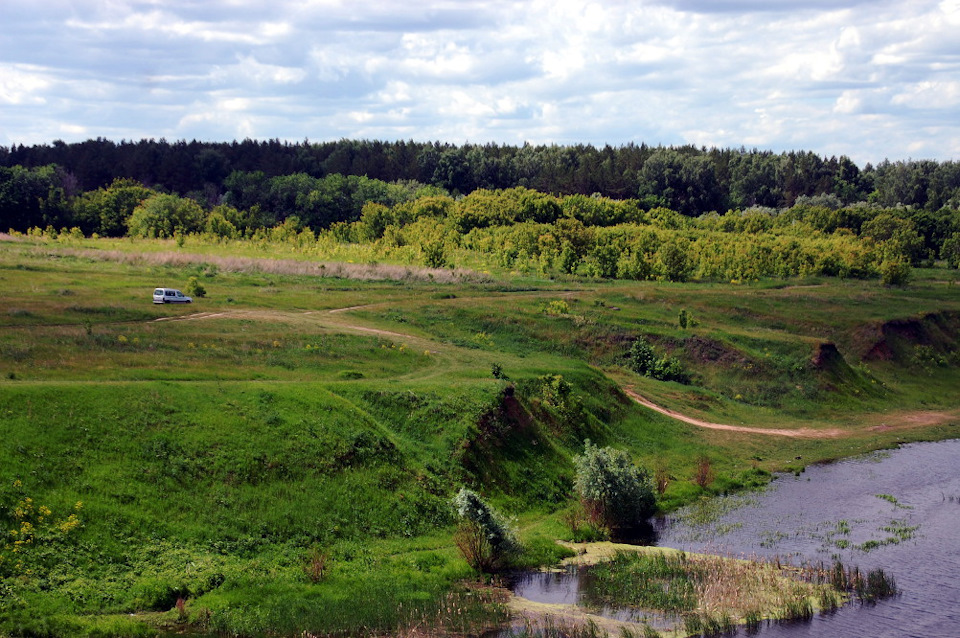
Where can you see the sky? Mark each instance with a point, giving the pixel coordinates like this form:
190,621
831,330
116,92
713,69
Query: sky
869,79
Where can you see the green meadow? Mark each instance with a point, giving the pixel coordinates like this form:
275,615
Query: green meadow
279,457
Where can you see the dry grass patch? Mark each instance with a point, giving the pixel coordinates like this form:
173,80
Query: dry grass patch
295,267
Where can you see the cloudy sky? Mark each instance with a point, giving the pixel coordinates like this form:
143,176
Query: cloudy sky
871,79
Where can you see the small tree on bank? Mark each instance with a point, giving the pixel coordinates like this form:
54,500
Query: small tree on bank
615,493
484,537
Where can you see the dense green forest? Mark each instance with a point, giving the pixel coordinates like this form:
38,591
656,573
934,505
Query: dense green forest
687,179
633,212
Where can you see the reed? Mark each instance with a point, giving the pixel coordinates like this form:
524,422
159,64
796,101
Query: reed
469,612
798,608
752,620
551,628
713,594
868,588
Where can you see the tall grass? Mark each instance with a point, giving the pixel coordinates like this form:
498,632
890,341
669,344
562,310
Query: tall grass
712,594
868,587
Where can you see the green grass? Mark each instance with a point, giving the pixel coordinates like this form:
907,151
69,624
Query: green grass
215,450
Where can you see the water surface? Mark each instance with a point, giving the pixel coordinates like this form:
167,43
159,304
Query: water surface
896,510
878,497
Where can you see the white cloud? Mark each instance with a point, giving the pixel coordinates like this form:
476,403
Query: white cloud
159,22
929,95
22,84
331,64
73,129
248,69
425,56
395,92
835,76
848,102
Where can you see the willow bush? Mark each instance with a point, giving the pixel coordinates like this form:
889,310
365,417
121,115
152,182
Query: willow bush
484,536
616,494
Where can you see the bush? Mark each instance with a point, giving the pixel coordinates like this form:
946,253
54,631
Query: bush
616,494
434,255
703,474
557,395
895,272
195,288
484,537
642,360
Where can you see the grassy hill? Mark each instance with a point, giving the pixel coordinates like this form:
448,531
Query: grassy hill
279,456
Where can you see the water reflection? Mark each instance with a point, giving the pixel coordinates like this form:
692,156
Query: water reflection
646,533
573,586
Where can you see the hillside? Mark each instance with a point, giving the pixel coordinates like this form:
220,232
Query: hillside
279,456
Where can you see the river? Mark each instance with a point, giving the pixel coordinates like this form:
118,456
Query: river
897,510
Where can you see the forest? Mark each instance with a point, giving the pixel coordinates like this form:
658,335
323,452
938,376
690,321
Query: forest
633,212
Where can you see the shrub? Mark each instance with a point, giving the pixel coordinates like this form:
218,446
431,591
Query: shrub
661,477
895,272
642,360
556,393
703,474
484,537
669,369
556,308
195,288
434,255
615,493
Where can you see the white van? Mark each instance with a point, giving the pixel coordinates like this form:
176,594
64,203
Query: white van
170,295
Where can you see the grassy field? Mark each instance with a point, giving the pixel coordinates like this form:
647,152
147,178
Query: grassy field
279,456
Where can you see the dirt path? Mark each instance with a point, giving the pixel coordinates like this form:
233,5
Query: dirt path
193,317
276,315
802,433
887,422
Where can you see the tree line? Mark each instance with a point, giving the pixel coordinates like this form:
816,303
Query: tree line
516,228
795,214
688,179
